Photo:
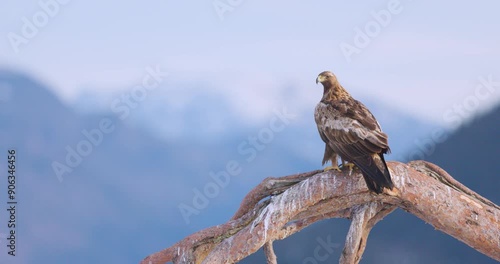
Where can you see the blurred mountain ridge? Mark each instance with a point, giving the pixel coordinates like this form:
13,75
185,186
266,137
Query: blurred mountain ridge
126,192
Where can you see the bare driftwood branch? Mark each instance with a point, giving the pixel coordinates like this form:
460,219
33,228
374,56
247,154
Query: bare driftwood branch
364,217
269,251
296,201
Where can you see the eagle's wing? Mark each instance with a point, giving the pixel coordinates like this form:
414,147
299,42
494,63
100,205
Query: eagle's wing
354,134
351,129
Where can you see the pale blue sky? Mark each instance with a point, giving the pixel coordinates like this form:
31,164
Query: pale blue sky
428,58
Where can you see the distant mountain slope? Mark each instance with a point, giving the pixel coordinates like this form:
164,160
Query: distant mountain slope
126,192
472,155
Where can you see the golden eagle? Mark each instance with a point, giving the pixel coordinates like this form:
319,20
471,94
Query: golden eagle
350,130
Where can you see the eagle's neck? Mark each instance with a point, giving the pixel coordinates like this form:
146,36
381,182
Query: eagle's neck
333,91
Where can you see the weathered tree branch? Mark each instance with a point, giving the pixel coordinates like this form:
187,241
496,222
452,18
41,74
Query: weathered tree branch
296,201
269,251
364,217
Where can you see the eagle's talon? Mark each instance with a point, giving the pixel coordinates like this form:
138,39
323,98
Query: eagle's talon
351,166
336,167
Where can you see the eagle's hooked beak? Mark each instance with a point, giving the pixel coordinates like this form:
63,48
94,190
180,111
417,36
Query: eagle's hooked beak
320,78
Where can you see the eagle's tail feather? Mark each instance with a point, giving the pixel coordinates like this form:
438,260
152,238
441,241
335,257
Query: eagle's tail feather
375,172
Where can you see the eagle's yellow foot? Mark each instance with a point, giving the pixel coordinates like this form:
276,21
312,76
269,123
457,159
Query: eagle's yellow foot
349,165
336,167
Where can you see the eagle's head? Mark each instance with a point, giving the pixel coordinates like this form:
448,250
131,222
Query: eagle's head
332,89
326,77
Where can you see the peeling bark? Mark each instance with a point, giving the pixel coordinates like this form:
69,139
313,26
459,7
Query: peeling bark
296,201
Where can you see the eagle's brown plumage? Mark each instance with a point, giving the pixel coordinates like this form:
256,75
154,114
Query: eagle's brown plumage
349,130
